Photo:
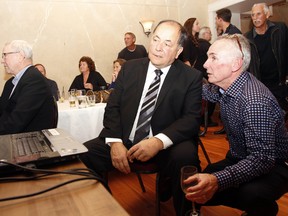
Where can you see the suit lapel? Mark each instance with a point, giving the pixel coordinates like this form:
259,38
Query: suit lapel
169,80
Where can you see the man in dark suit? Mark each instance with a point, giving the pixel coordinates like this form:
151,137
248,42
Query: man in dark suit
53,85
26,102
172,142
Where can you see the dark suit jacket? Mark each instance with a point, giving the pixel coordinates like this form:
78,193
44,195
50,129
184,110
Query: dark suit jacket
30,107
54,88
178,107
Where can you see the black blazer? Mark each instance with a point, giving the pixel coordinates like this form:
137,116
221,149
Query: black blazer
30,107
178,107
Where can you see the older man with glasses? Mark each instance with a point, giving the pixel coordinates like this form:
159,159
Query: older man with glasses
254,173
26,102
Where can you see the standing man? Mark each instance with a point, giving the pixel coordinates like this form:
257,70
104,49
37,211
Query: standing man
27,103
254,173
170,132
269,52
53,85
132,50
223,22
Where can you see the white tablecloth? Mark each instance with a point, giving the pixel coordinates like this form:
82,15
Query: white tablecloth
83,124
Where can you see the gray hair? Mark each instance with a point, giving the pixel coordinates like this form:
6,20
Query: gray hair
242,47
203,30
265,7
21,45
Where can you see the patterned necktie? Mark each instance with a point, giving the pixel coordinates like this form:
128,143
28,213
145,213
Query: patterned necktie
147,108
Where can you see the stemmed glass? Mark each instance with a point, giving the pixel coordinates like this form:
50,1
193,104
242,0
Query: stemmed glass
186,172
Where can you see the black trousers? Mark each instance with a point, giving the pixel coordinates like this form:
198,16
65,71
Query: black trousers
169,160
257,197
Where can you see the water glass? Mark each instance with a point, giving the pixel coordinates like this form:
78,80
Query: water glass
82,101
72,98
91,100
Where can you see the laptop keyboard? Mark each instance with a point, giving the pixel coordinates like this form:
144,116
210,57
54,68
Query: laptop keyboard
29,144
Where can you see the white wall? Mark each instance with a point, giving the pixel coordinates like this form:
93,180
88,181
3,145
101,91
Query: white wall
62,31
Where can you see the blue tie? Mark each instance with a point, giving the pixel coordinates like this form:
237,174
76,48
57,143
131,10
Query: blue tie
147,109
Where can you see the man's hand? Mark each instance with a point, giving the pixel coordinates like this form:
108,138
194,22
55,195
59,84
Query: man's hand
119,157
145,149
204,190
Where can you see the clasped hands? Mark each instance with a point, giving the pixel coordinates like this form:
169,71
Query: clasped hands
142,151
204,190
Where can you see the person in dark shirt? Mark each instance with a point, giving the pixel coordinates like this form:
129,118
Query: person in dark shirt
89,79
269,52
254,173
191,47
53,85
132,50
223,22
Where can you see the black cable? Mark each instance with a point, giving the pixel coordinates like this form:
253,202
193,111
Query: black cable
41,173
48,189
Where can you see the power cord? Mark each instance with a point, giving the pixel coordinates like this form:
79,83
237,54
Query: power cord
42,173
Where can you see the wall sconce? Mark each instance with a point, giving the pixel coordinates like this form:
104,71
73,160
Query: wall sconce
147,26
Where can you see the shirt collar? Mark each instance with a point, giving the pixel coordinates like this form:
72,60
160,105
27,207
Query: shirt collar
233,90
19,75
153,68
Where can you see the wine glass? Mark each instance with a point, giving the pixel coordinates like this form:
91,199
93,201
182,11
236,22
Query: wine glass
186,172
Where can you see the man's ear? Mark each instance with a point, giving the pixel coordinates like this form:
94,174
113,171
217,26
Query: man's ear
237,64
180,49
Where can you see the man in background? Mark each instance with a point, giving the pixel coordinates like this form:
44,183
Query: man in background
269,52
51,83
223,22
27,103
132,50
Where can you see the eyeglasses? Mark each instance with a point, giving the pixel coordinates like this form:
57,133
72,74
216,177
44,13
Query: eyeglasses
238,42
7,53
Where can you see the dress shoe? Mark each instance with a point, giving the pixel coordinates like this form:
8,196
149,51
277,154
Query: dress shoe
165,192
221,131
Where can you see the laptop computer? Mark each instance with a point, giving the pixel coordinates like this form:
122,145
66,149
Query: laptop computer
38,148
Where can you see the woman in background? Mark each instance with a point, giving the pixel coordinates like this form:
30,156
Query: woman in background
89,79
191,49
117,64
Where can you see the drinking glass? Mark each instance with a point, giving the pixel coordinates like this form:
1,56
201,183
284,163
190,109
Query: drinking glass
80,92
186,172
91,99
82,101
72,98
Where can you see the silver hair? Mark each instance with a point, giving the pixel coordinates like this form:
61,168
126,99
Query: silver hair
265,7
203,30
21,45
242,47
